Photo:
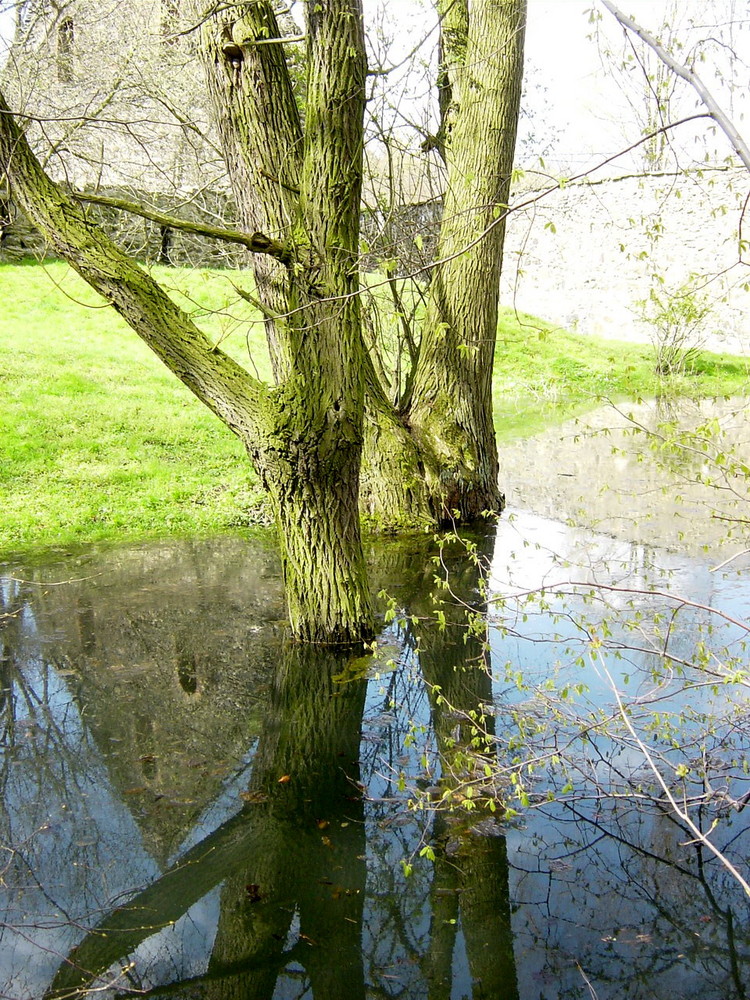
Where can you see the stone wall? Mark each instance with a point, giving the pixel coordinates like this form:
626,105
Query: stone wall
139,237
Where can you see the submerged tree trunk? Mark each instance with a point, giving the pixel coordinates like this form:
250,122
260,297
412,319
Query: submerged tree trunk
300,197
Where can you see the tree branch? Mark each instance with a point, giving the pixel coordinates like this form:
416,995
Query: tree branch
216,379
255,242
689,76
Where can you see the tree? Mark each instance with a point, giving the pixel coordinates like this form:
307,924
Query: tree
297,177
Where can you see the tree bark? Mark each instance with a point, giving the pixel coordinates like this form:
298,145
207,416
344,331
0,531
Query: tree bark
303,188
450,413
298,187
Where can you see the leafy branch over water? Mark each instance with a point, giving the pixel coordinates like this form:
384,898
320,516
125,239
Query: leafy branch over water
603,683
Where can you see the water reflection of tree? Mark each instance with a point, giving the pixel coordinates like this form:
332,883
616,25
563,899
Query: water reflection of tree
44,762
470,879
171,626
296,848
467,884
609,888
309,860
292,863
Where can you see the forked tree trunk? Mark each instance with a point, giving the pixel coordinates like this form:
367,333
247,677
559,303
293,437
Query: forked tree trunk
305,433
298,190
449,417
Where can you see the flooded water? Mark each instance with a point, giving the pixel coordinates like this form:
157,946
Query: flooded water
193,807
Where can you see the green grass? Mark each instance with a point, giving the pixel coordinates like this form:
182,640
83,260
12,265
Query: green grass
544,375
98,441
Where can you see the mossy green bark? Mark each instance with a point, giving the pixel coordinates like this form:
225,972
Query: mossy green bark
436,461
304,434
298,188
451,407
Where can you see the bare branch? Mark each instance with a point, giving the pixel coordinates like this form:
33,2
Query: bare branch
255,242
689,76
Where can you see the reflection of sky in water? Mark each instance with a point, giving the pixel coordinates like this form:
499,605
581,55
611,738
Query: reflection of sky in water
578,896
533,552
584,898
73,828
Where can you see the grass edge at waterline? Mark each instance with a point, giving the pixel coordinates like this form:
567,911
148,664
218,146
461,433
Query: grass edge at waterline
100,442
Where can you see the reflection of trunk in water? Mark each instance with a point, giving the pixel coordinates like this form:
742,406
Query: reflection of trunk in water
310,856
297,847
471,858
470,880
297,844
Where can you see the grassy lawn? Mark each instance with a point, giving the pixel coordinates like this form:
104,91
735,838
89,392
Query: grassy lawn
544,375
99,441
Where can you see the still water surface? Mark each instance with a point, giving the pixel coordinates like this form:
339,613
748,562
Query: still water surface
192,807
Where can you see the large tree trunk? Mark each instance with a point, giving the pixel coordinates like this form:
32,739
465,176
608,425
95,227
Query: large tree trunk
316,504
298,189
451,408
449,415
303,187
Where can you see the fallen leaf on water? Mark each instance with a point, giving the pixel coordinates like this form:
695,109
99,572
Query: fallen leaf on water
253,796
323,823
326,841
135,791
284,779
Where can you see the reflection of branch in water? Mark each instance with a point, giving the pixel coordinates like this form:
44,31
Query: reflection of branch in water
42,763
639,870
678,810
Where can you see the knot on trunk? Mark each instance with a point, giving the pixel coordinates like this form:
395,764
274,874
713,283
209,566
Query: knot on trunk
232,53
